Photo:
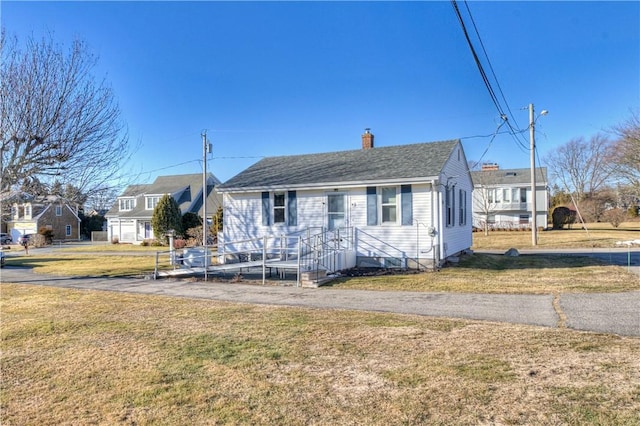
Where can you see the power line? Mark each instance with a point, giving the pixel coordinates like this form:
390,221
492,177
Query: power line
485,79
488,145
514,131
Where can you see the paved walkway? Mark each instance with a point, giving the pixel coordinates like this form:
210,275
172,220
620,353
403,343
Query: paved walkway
617,313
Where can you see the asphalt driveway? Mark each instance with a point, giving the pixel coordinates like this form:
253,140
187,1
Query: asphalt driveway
617,313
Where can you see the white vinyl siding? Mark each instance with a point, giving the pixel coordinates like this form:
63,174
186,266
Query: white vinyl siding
459,237
242,221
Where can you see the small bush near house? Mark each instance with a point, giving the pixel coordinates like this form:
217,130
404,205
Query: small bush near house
615,217
563,216
115,240
151,243
179,243
47,234
38,240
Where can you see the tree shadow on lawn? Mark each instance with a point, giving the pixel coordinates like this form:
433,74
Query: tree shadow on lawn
500,262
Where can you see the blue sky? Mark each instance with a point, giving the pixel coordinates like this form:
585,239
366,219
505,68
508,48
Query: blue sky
280,78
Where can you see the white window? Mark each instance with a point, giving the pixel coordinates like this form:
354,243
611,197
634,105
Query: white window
523,195
462,206
68,230
278,207
152,202
515,194
336,211
506,195
524,219
389,204
450,205
27,210
58,210
127,204
491,198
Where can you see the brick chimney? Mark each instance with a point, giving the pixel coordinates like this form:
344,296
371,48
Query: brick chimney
367,139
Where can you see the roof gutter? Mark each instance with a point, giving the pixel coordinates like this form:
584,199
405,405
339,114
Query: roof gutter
330,185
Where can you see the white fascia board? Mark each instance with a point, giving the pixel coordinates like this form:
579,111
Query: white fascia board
332,185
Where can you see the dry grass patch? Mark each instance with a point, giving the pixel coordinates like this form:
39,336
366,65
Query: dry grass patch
598,235
95,357
89,265
485,273
114,248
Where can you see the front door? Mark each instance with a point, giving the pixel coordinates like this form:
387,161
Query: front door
147,230
336,211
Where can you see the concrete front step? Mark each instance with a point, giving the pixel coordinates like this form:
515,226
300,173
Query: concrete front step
316,283
314,279
313,275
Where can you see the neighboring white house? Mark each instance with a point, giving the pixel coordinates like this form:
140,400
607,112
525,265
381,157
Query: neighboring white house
129,220
406,205
502,198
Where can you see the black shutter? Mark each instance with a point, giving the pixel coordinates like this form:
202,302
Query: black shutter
407,204
265,208
292,206
372,206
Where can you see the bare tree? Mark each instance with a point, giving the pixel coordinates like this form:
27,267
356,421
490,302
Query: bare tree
484,201
58,122
581,166
627,150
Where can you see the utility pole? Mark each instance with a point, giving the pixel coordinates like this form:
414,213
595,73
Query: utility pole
205,259
534,212
204,190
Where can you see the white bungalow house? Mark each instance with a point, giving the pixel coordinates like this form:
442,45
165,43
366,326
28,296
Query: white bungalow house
502,198
129,219
394,206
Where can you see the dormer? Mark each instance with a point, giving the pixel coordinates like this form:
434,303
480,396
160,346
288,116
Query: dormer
28,211
151,201
126,204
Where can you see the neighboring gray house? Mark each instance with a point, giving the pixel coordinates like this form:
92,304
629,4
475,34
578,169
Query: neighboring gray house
129,220
397,205
502,198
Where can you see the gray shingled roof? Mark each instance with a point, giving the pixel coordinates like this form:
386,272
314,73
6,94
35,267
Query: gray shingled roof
186,187
509,176
414,161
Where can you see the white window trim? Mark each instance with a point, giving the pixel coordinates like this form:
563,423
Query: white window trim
122,202
282,207
327,212
381,206
462,208
58,210
68,230
450,212
149,198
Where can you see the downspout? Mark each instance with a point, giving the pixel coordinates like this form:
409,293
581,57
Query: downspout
441,231
434,222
